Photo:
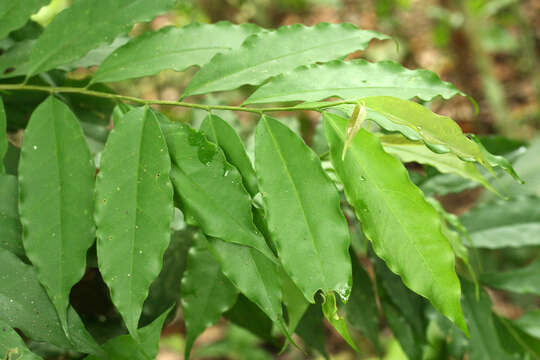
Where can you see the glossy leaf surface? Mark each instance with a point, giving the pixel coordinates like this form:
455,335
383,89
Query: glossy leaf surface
24,305
270,53
524,280
206,294
505,223
124,347
134,209
414,151
12,346
172,48
14,14
404,229
220,132
56,200
352,80
10,225
90,24
200,170
304,215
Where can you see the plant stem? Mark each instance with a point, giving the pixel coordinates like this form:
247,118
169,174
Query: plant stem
124,98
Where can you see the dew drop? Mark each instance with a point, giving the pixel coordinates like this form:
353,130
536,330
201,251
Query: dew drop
226,173
362,178
128,275
35,147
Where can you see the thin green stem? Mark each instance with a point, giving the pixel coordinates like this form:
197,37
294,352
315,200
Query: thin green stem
132,99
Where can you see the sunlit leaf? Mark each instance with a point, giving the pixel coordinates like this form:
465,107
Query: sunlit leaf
329,308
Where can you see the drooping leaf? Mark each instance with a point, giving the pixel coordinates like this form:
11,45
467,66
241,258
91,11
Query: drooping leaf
271,53
352,80
311,329
10,225
355,123
124,347
200,171
504,223
304,211
438,132
172,48
530,323
134,209
329,309
413,151
24,305
3,136
14,14
220,132
361,310
498,161
524,280
86,25
12,346
404,229
206,294
484,341
56,200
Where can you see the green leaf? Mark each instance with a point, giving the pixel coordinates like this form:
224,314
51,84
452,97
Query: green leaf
361,310
206,294
3,136
126,348
14,14
497,161
293,299
24,305
90,25
271,53
515,341
329,308
10,225
484,341
530,323
200,169
56,200
304,213
312,330
134,209
172,48
415,151
12,346
501,223
525,280
220,132
249,316
438,132
404,229
351,80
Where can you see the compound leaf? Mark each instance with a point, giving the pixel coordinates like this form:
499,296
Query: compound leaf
14,14
10,225
404,229
206,294
351,80
270,53
134,210
211,189
24,305
220,132
86,25
303,211
56,200
172,48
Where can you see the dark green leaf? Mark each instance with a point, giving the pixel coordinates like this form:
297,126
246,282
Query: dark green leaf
311,329
515,341
220,132
56,200
293,299
11,160
10,226
271,53
24,305
206,294
126,348
14,14
249,316
525,280
12,346
134,209
304,211
505,223
90,24
404,229
351,80
172,48
200,169
14,62
530,323
3,136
